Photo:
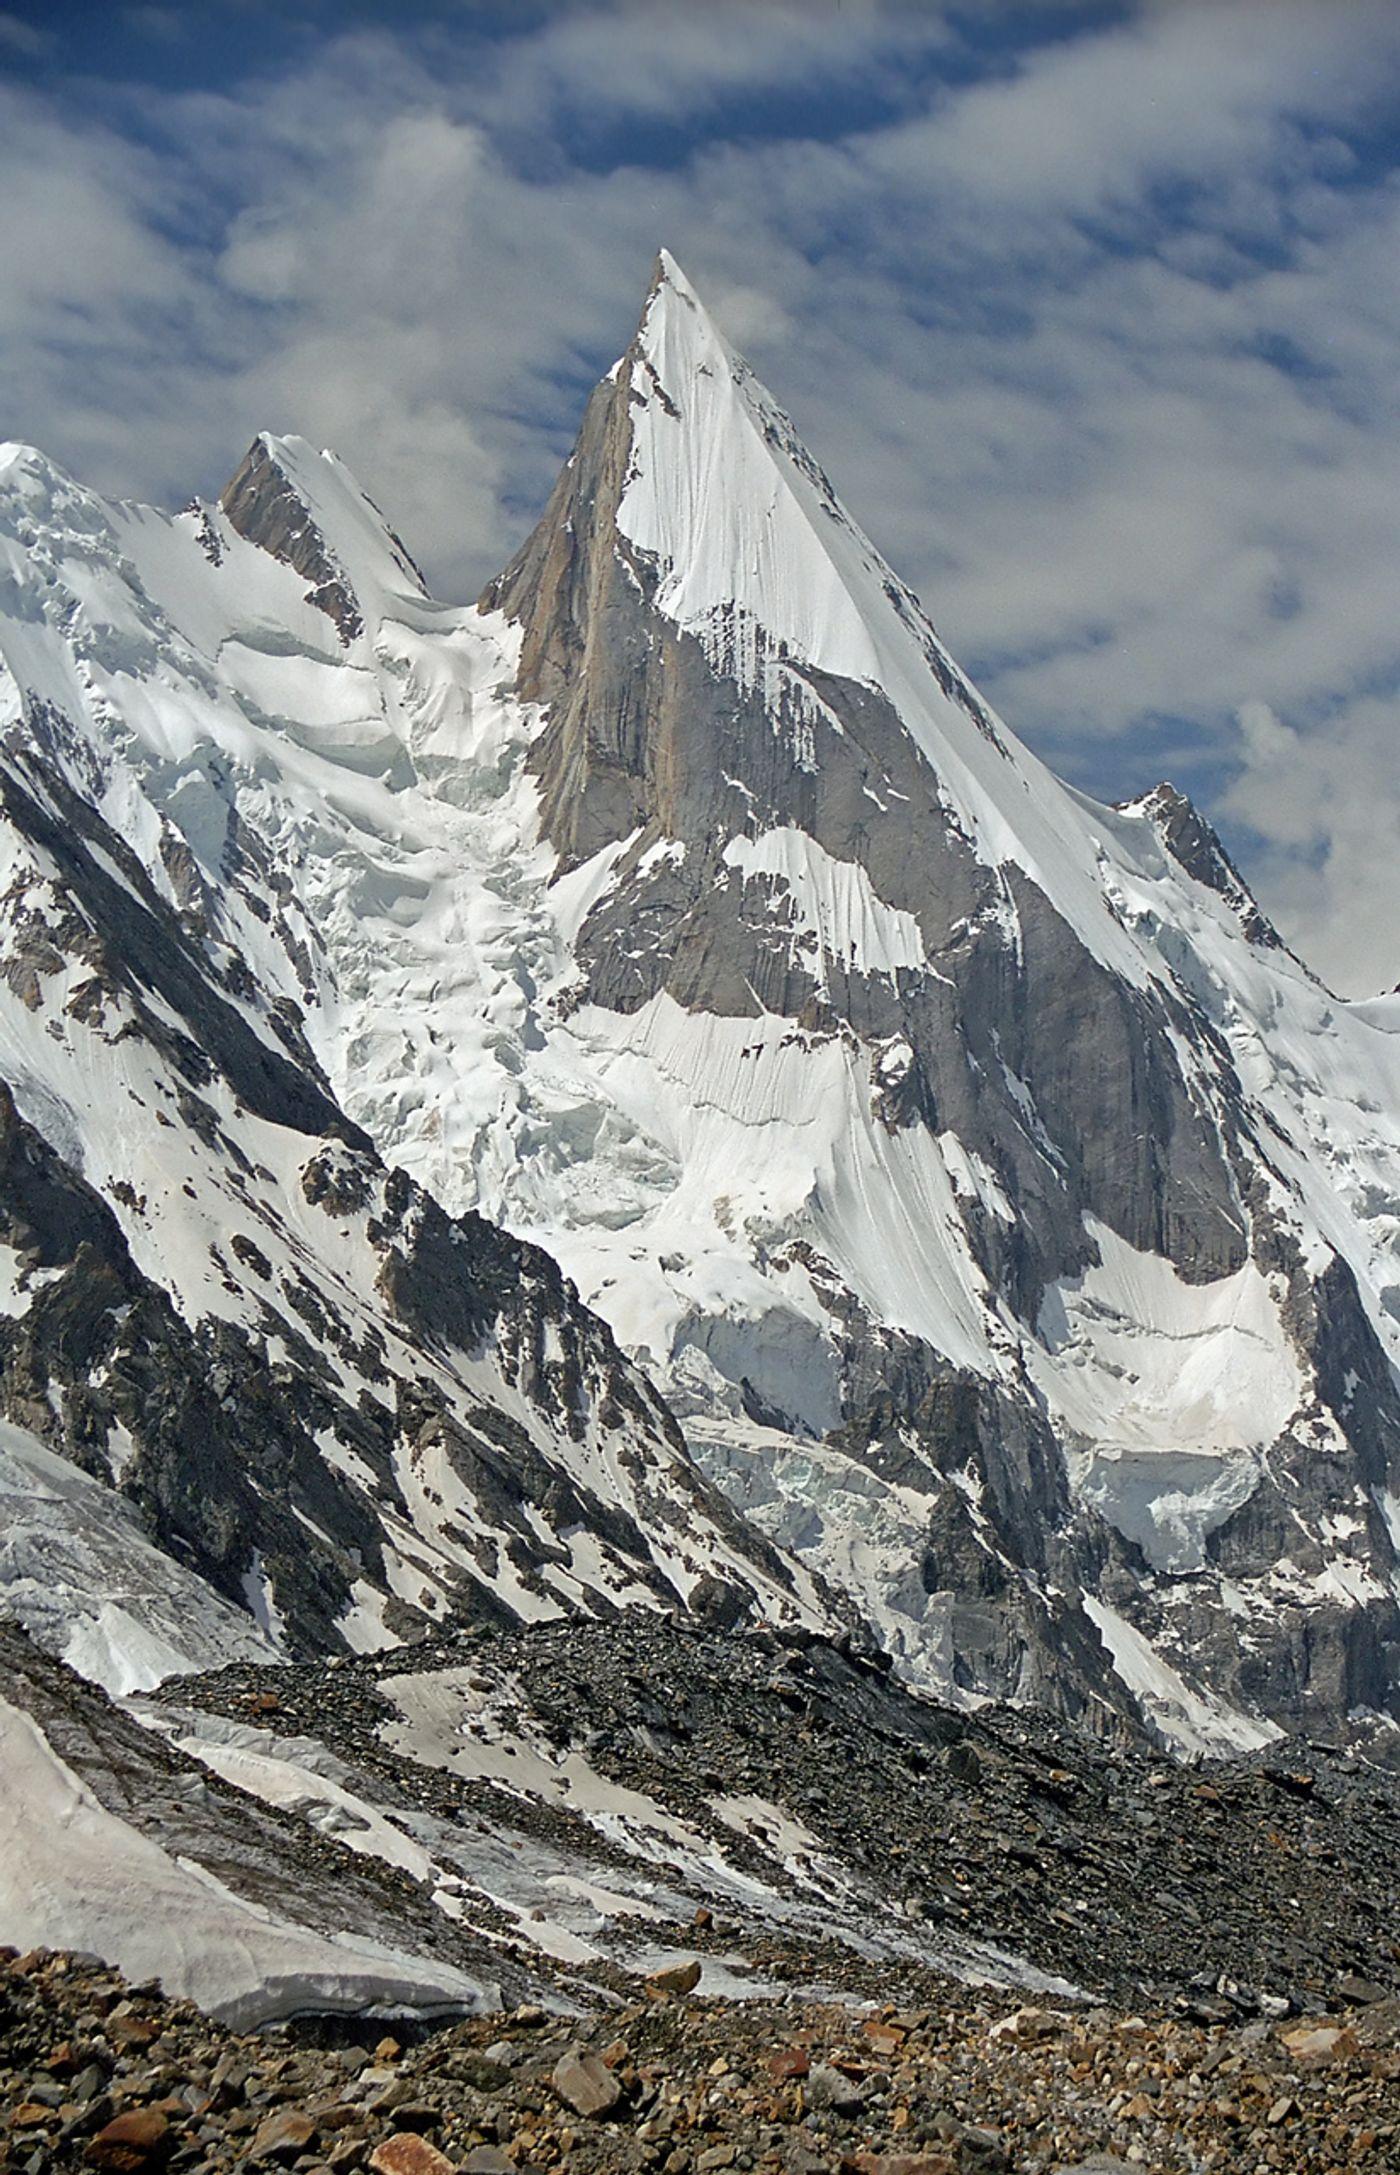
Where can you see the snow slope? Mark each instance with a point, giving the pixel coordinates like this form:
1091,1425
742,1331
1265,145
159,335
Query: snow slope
83,1579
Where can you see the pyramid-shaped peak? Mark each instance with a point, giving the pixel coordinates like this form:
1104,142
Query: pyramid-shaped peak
667,277
670,279
306,509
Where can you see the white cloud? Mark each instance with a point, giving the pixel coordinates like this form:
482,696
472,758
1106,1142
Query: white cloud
22,37
1326,807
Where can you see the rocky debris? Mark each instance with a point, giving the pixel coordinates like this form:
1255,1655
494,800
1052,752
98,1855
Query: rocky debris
585,2083
952,1843
693,2087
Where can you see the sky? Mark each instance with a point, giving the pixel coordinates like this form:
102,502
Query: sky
1091,312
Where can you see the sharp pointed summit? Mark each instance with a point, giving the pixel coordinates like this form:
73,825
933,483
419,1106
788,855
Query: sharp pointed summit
660,1099
811,854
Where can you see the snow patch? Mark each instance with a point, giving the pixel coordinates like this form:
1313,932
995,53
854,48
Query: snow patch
833,903
1190,1720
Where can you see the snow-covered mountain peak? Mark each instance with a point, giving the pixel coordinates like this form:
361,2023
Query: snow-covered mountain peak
720,493
36,492
18,458
946,1069
306,509
745,546
1009,1221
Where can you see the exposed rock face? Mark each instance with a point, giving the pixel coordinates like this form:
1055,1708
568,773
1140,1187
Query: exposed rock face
1193,843
263,504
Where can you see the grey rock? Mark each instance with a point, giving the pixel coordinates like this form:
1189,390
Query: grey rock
585,2083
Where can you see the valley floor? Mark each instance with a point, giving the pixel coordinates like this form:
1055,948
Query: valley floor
723,1901
96,2074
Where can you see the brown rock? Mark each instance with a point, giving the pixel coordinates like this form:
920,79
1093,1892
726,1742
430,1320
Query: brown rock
903,2163
675,1979
388,2050
789,2062
1321,2043
284,2135
339,2115
139,2139
585,2083
29,2115
408,2154
131,2031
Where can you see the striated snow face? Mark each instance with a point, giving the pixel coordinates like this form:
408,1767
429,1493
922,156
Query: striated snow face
1195,1723
834,905
744,562
1180,1388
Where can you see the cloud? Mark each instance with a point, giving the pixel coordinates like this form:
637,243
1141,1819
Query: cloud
1325,812
646,59
1092,323
21,37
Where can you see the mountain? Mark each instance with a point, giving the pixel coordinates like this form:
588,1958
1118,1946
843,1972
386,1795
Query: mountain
332,1413
643,1091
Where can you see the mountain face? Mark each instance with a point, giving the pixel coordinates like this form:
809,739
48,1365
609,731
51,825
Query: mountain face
644,1092
342,1412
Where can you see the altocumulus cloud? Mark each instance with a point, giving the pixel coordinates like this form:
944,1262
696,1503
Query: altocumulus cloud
1091,312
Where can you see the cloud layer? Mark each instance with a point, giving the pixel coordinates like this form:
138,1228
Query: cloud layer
1093,322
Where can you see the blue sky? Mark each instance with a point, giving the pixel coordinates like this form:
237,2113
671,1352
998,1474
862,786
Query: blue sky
1091,312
